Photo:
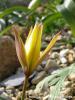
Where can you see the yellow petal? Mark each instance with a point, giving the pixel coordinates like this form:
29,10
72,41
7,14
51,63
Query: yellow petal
46,51
33,45
29,34
20,50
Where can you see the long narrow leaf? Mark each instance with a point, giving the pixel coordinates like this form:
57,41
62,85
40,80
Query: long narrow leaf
34,4
49,19
16,8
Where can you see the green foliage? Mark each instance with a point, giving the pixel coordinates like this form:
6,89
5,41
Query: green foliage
6,14
57,80
44,10
68,11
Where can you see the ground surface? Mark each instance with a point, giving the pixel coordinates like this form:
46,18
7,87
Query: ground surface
61,56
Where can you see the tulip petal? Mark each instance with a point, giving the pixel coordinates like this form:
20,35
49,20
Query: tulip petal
29,34
20,50
46,51
33,45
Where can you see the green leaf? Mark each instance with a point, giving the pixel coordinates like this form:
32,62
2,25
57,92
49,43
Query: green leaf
15,8
5,30
54,94
34,4
10,10
56,79
60,84
49,19
1,98
68,11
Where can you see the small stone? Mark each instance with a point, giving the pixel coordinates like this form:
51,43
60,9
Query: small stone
64,52
5,96
38,77
54,55
39,68
11,95
9,92
73,88
63,65
30,92
44,45
73,98
46,97
69,46
43,63
51,88
34,97
47,39
70,58
58,61
72,77
64,99
50,66
66,91
13,98
1,89
63,60
10,88
67,83
72,51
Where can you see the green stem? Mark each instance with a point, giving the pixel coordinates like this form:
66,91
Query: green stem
24,88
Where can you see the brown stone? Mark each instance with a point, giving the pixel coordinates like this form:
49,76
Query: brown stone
38,77
8,58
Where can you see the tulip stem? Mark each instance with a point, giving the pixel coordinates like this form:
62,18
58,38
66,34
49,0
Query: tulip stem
24,88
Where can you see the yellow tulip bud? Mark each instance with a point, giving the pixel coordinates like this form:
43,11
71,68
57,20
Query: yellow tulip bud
29,54
33,44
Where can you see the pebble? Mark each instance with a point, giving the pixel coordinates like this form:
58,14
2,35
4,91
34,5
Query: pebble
51,65
9,92
70,58
5,96
72,77
54,55
73,88
38,77
39,68
44,45
58,61
67,83
13,98
64,99
69,46
46,97
63,65
9,88
63,60
47,39
43,63
66,91
73,98
1,89
31,92
63,52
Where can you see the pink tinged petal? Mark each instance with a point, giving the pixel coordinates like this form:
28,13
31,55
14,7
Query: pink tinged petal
20,50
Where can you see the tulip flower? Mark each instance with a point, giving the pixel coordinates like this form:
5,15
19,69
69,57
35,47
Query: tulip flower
29,53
